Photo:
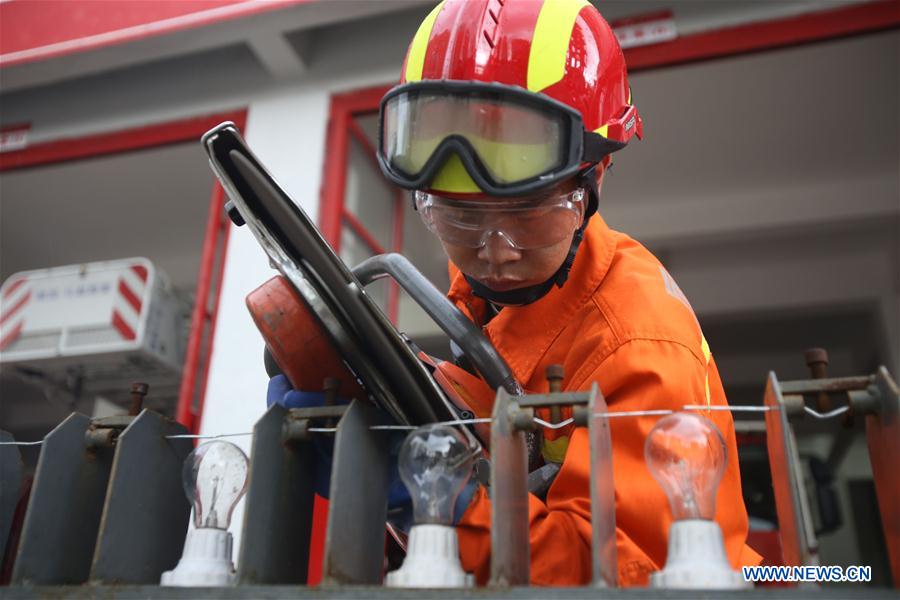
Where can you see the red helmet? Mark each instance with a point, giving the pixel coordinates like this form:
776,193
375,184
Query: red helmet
560,49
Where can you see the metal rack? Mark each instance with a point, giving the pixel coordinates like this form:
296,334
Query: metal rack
107,508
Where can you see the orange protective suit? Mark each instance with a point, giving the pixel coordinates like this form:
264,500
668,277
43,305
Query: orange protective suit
620,321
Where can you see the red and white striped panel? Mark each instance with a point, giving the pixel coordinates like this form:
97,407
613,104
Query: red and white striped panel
12,316
126,313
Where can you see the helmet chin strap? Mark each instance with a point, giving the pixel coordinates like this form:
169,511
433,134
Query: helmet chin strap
587,179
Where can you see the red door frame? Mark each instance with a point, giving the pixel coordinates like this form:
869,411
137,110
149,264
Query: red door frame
215,243
333,213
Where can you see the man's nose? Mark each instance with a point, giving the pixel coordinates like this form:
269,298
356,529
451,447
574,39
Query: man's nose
498,249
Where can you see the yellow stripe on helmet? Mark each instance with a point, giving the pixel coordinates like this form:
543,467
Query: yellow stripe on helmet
415,60
550,43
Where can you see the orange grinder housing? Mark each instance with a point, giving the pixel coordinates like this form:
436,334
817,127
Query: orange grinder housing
296,340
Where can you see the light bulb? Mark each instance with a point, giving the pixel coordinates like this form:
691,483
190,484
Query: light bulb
435,463
686,455
215,479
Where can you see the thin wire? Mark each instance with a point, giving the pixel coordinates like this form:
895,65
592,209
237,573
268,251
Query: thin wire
468,421
729,408
607,415
827,415
634,413
191,436
559,425
403,427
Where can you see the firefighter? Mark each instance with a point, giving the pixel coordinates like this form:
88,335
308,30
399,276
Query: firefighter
502,127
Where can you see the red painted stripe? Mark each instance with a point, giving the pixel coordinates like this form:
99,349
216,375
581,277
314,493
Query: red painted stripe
755,37
13,287
9,313
11,336
122,327
140,271
187,130
659,15
129,296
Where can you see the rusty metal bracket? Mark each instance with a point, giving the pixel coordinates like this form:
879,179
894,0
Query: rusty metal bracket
280,496
798,538
883,437
146,512
513,417
603,493
104,432
63,517
354,541
510,546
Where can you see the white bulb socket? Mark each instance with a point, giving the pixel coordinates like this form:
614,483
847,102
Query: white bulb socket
206,561
432,560
697,559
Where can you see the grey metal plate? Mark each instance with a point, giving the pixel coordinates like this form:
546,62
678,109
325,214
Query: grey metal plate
11,468
883,437
63,517
603,494
279,506
798,541
146,514
354,541
510,544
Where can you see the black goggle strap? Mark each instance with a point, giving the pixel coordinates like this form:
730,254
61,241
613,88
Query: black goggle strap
587,179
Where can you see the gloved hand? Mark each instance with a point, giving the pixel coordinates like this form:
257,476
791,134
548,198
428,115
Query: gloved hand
281,393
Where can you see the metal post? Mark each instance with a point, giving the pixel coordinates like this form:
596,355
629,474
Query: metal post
146,512
798,539
883,437
63,517
279,506
510,545
603,493
10,486
354,541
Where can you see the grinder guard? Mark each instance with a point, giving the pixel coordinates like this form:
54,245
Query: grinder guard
359,346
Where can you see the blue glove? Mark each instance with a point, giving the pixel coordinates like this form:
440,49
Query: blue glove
281,393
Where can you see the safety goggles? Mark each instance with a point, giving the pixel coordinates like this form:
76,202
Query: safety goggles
524,224
510,141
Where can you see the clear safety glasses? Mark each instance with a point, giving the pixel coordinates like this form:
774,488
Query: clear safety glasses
524,224
510,141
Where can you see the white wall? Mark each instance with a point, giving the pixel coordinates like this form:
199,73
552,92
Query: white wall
286,130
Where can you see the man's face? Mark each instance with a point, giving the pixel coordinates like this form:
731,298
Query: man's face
502,267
